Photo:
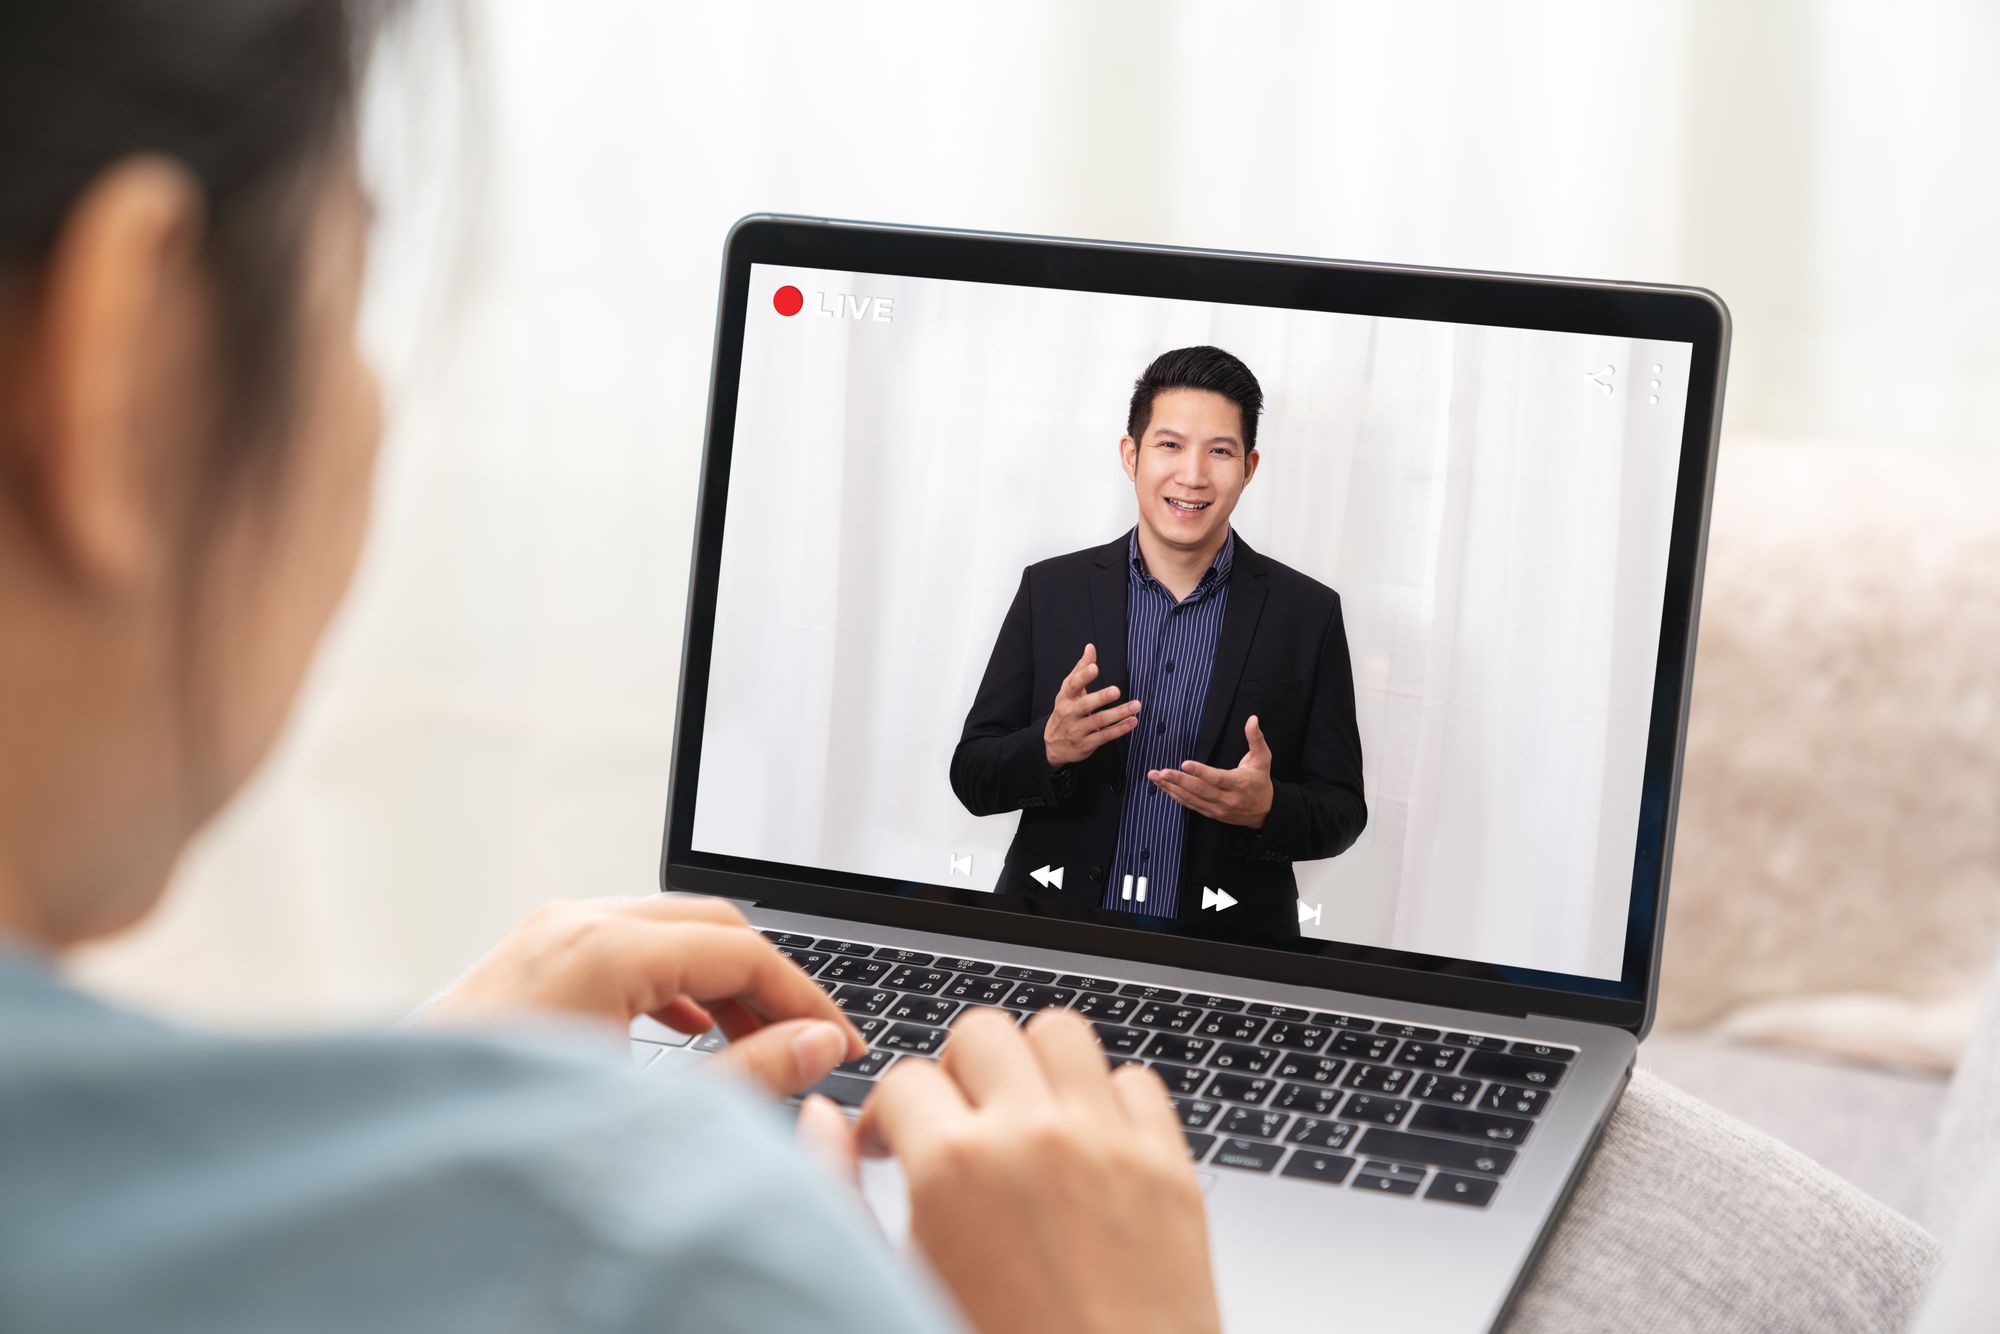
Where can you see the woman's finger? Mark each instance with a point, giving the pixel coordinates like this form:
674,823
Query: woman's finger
707,963
1071,1058
785,1058
1142,1095
684,1016
827,1137
915,1103
990,1059
678,908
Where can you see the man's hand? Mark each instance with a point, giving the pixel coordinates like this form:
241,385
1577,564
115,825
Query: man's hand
1239,796
691,963
1080,721
1047,1192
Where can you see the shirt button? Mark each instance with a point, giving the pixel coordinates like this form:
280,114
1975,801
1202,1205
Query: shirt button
1160,729
1168,668
1145,854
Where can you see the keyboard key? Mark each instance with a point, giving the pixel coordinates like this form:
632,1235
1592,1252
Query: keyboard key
1111,1009
1514,1069
1446,1088
1173,1018
978,990
1121,1041
874,1063
1032,997
1248,1089
1297,1037
844,947
1363,1046
1082,983
1455,1154
861,972
1139,991
1388,1169
1015,973
1310,1165
788,939
846,1090
1263,1011
1322,1134
643,1054
1514,1101
810,960
1311,1099
923,1009
863,1000
1180,1079
1542,1051
1204,1002
652,1030
1476,1041
911,978
1249,1155
1482,1126
963,966
713,1040
1311,1069
1249,1060
1382,1185
1196,1113
1115,1061
1352,1023
914,1038
1378,1079
1430,1056
1252,1122
1376,1111
912,957
868,1026
1198,1144
1475,1191
1409,1031
1181,1050
1230,1027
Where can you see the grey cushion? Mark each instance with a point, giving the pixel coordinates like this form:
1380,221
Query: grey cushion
1687,1219
1968,1134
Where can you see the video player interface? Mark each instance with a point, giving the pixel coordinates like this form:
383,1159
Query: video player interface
1211,617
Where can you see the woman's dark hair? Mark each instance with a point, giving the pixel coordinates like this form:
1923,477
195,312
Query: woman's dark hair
1201,367
253,97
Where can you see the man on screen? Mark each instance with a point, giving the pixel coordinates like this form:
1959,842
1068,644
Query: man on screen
1171,712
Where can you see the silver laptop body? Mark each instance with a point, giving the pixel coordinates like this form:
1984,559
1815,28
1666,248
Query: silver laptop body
1386,1130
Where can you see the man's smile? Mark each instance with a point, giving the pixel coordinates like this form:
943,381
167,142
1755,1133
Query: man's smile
1191,506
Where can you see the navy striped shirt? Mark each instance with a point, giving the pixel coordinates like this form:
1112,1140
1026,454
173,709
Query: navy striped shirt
1170,653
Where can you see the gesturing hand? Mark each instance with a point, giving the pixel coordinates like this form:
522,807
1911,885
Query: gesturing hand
1080,721
691,963
1239,796
1047,1192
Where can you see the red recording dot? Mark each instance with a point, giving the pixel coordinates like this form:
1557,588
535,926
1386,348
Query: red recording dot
789,301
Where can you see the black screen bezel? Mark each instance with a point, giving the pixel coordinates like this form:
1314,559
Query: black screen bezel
1677,314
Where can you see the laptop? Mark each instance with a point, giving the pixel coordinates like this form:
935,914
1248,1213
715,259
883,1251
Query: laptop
1401,567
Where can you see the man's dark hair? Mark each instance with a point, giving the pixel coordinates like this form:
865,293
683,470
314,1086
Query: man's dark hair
1201,367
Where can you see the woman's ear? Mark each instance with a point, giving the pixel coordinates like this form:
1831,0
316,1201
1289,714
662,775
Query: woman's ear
108,334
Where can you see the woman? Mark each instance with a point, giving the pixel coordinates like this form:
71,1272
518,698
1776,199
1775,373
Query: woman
187,434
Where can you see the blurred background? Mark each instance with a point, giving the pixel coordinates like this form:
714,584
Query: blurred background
490,723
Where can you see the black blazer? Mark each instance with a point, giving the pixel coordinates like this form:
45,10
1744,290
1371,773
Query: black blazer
1282,655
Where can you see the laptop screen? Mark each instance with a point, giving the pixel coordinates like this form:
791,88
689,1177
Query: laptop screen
1266,624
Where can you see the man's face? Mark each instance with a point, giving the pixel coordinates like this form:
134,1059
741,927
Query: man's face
1190,468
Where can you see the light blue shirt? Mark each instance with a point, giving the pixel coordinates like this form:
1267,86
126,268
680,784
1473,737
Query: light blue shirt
157,1178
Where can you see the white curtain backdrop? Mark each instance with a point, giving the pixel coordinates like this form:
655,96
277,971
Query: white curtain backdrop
490,724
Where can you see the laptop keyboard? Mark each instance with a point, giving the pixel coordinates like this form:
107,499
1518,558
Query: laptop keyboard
1337,1099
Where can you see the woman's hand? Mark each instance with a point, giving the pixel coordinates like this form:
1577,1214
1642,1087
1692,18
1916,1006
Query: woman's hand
691,963
1046,1193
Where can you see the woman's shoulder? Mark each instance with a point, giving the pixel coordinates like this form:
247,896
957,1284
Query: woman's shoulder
408,1179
